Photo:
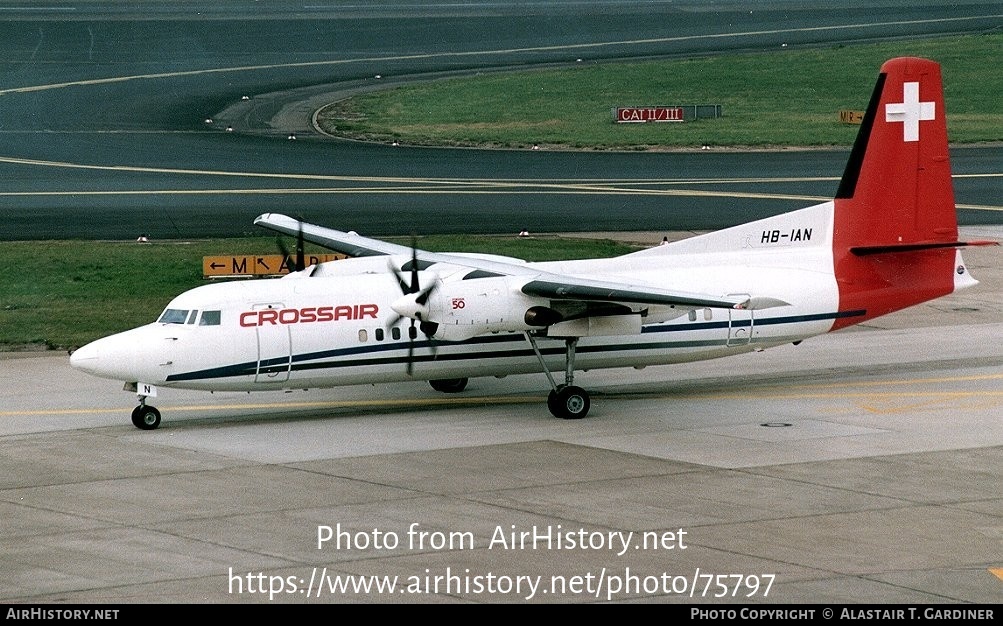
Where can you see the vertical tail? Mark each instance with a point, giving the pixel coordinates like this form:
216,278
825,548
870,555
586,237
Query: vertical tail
895,227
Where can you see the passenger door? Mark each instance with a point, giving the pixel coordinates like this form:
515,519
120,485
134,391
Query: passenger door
274,346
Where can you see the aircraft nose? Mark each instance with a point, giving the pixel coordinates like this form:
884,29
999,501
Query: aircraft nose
115,357
86,358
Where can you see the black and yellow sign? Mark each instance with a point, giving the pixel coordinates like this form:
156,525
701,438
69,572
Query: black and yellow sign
847,116
259,264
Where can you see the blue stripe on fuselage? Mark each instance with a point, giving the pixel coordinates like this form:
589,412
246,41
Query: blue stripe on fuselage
316,360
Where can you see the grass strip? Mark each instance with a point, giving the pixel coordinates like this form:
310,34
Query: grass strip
783,98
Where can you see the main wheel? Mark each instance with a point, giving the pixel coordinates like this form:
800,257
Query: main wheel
570,402
552,402
145,417
449,385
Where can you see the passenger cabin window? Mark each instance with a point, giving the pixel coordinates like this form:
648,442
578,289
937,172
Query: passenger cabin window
210,318
379,334
363,335
173,316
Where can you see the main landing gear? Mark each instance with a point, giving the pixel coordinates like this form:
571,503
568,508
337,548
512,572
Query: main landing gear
144,416
449,385
565,401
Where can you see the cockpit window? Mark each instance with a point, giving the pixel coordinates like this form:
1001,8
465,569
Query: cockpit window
209,318
173,316
191,316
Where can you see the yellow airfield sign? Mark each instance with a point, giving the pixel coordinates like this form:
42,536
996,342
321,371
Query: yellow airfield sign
847,116
258,264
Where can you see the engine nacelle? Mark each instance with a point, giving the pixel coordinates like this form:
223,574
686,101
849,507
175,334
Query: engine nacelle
466,308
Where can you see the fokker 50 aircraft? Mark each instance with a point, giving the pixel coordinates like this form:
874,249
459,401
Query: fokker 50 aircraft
390,313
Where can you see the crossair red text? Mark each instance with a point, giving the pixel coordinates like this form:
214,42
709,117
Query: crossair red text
309,314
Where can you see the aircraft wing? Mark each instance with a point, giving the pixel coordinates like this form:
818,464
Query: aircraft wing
571,288
355,245
539,282
352,244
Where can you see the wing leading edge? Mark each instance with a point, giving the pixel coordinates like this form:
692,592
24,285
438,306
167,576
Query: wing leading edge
352,244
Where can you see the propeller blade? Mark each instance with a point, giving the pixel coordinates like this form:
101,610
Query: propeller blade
411,334
429,328
287,260
300,260
410,357
409,286
422,297
297,263
414,265
400,277
394,320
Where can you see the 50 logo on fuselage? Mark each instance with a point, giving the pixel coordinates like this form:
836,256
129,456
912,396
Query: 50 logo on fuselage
305,315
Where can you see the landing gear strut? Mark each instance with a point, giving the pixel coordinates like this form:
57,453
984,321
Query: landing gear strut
565,401
144,416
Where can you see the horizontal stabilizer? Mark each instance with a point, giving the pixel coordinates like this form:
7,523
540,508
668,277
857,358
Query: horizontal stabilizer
913,247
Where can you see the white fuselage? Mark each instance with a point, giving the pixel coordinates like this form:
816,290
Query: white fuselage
332,329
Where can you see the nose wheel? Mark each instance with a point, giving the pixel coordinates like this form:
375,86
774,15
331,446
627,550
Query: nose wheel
145,417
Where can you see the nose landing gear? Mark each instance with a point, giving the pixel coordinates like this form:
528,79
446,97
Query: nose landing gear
144,416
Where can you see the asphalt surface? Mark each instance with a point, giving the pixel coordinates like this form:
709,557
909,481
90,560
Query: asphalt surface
861,467
104,109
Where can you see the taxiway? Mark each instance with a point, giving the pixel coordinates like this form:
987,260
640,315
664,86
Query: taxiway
859,467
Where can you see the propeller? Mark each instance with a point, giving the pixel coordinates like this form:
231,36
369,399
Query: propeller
300,261
413,308
406,286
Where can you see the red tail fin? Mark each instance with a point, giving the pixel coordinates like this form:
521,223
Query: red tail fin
895,223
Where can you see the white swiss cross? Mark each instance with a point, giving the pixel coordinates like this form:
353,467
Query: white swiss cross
910,112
